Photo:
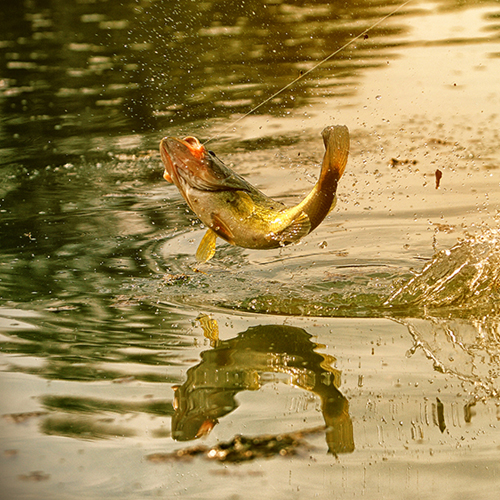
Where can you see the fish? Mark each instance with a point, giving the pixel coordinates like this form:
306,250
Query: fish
234,210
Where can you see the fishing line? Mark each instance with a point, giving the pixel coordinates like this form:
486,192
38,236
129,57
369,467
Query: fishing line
327,58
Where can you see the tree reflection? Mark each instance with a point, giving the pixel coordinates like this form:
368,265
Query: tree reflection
87,78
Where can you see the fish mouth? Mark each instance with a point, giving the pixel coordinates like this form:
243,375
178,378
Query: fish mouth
185,160
191,167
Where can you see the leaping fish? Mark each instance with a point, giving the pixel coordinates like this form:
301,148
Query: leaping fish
236,211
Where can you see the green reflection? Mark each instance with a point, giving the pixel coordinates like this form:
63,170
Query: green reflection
83,428
88,418
88,405
240,364
98,343
87,78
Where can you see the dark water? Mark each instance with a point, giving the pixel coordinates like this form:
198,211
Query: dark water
371,349
90,78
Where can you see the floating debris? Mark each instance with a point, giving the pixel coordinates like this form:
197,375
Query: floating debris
172,279
126,301
438,174
20,418
243,448
439,417
35,476
395,162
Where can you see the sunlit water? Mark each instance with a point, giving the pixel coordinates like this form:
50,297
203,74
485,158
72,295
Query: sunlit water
374,342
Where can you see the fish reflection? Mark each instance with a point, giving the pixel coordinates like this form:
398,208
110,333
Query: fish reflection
237,364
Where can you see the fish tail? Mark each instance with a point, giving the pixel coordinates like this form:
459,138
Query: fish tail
336,139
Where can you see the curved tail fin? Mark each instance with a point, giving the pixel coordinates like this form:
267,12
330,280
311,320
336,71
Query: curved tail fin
336,139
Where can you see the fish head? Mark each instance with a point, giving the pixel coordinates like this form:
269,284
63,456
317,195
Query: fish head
189,165
183,159
190,419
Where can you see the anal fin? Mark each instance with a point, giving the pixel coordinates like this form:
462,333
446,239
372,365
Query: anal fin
206,250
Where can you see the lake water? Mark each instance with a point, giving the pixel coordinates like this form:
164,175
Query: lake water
362,362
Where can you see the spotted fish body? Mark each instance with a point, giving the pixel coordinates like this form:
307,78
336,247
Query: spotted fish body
239,213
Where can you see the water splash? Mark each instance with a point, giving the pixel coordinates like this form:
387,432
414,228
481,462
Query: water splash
468,349
454,312
465,277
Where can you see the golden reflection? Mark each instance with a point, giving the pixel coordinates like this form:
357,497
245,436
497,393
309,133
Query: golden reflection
238,364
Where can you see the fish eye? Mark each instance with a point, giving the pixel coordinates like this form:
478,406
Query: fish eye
214,156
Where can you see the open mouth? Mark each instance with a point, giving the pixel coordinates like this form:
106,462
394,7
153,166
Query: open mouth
167,161
183,159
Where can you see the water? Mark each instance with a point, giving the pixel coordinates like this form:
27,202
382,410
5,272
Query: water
373,344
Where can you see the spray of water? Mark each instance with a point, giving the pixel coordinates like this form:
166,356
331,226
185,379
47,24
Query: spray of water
310,70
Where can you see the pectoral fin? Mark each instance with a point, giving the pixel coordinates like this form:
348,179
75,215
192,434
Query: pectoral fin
298,228
220,228
206,250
